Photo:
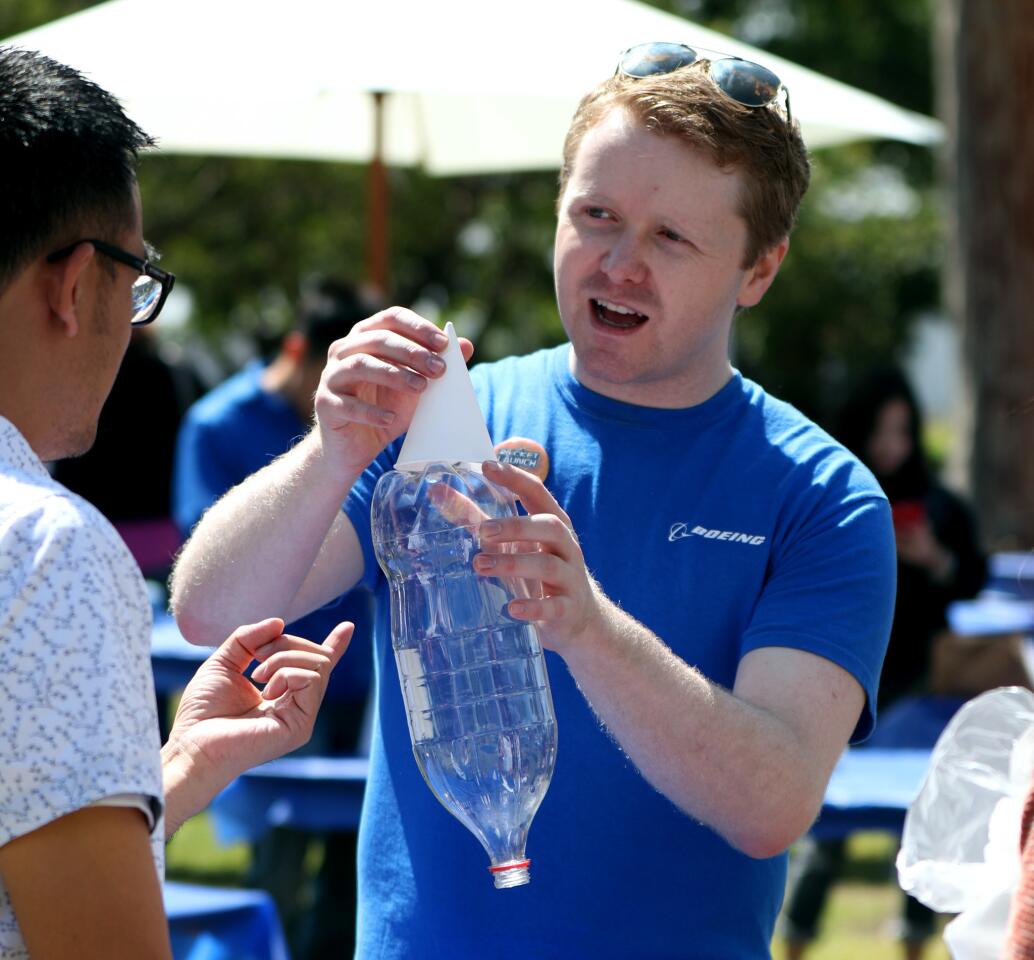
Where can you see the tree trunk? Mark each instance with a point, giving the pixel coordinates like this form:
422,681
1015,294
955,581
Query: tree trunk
986,98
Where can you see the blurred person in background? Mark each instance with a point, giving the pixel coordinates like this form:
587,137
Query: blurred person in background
127,473
88,796
939,561
233,431
939,555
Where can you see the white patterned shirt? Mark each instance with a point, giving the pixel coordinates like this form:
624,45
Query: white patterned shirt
78,721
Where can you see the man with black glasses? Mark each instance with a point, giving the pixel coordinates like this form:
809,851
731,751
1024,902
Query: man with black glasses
715,573
86,799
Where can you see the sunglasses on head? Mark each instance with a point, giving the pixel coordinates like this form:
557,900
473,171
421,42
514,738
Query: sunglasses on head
741,80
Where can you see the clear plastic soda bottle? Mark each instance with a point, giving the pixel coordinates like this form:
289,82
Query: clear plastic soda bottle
473,678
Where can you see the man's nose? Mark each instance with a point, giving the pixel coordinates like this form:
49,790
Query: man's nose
623,262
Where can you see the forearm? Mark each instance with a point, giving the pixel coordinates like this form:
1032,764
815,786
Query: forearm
733,765
189,785
251,552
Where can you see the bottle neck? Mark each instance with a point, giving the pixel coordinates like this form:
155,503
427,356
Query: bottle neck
514,873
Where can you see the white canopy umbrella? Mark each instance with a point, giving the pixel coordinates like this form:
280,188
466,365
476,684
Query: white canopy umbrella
472,86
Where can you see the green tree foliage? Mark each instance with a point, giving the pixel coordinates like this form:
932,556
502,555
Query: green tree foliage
860,270
17,16
243,233
883,46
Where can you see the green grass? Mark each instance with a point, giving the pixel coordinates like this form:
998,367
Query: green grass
857,924
863,908
195,856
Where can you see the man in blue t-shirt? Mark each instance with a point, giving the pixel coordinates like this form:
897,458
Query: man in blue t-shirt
712,574
230,433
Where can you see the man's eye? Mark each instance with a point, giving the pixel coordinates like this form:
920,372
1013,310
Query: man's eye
671,235
597,213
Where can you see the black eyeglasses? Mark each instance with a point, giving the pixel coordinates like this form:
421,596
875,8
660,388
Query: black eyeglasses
152,287
741,80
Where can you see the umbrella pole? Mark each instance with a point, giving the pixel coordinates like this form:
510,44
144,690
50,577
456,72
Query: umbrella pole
377,204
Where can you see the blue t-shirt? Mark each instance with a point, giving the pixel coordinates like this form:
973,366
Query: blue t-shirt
232,431
725,527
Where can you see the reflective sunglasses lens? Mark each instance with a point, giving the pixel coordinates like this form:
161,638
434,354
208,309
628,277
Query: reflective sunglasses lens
748,83
146,292
650,59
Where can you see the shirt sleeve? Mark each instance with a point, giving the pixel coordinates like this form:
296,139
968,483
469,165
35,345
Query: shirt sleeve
135,801
77,704
831,592
357,507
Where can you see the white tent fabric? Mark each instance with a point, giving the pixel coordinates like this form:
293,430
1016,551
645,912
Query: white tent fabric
475,85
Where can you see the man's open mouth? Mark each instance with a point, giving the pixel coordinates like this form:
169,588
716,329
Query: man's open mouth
617,316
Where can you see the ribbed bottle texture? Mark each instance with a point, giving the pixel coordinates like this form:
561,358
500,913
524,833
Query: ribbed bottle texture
473,679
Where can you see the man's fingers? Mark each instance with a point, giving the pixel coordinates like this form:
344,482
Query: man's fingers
298,670
545,568
531,491
296,680
364,368
330,649
456,507
238,649
265,640
337,641
397,335
541,609
545,529
392,348
409,324
344,408
315,660
285,641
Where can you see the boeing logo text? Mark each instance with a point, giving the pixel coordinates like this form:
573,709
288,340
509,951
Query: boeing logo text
682,531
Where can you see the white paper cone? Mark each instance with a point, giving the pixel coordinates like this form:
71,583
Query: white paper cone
448,426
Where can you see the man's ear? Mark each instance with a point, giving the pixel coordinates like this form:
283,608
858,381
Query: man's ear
759,277
66,288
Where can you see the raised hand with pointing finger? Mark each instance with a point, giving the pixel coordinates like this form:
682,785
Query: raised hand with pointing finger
225,724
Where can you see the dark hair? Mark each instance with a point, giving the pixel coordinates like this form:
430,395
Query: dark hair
327,310
857,420
756,141
68,159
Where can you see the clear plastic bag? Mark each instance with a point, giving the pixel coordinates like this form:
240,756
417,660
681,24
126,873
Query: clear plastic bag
960,847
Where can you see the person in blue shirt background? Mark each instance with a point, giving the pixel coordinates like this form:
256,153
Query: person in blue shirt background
712,575
237,428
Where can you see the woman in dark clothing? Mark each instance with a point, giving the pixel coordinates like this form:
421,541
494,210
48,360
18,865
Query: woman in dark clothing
938,561
938,557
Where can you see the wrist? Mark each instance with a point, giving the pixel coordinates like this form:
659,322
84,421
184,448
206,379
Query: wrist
605,628
189,782
334,471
